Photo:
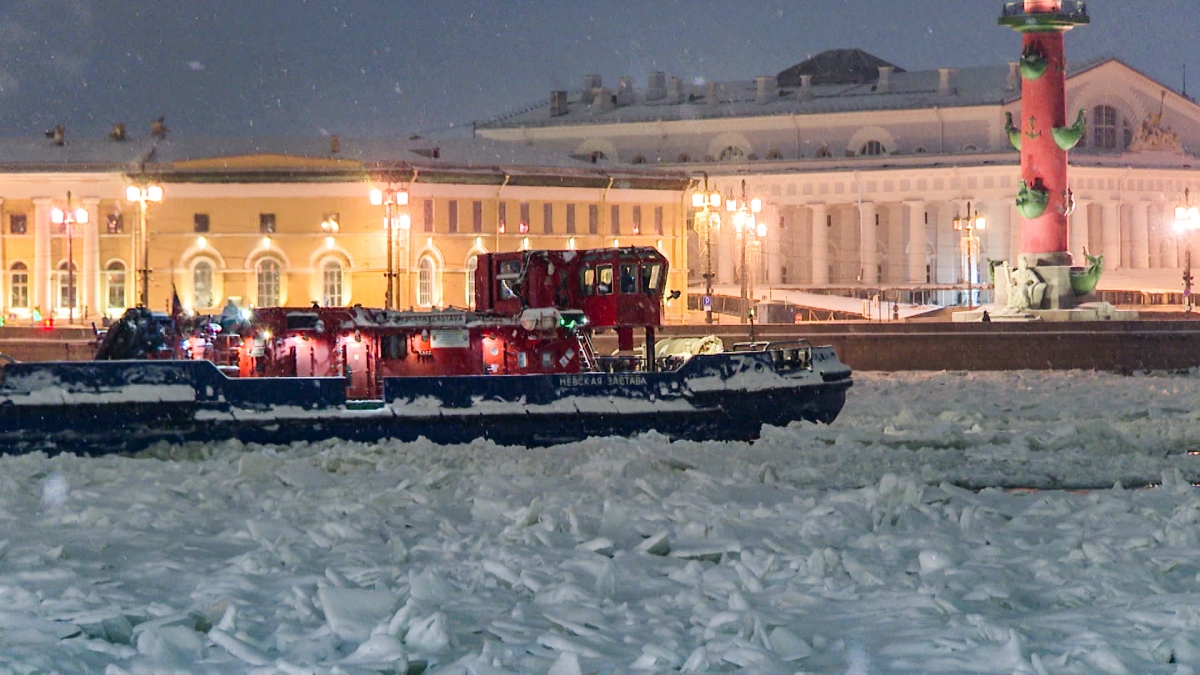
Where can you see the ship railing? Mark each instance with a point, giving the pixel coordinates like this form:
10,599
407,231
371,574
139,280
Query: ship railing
622,363
785,354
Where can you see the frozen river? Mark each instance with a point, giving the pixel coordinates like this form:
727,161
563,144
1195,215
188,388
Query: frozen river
879,544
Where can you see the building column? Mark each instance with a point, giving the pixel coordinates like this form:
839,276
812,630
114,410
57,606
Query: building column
726,252
914,216
771,246
1110,234
89,278
1165,218
820,244
1078,232
946,244
868,260
1139,236
42,286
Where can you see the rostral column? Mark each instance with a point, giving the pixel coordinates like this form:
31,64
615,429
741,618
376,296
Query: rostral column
1042,134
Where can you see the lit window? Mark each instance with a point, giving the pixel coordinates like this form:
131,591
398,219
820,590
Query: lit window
68,281
266,223
114,281
331,284
472,265
19,285
268,282
202,284
425,272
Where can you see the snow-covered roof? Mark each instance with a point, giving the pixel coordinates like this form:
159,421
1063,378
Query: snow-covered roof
852,89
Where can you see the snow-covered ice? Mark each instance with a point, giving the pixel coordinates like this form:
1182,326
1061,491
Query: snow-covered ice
1024,522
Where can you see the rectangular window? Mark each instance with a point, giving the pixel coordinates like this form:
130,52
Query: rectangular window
428,222
200,222
587,281
570,219
452,216
116,223
604,284
17,224
629,278
614,221
548,218
19,285
477,216
524,218
658,220
637,220
502,217
593,219
266,223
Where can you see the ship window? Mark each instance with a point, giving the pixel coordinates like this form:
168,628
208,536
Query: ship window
604,285
19,284
68,281
587,282
202,284
425,271
268,282
394,346
331,284
510,272
629,278
114,281
652,278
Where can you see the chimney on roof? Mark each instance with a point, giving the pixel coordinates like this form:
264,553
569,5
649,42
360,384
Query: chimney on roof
944,81
885,79
625,91
558,103
674,90
58,134
602,99
766,89
118,131
1014,74
590,84
335,144
158,128
712,93
805,87
656,85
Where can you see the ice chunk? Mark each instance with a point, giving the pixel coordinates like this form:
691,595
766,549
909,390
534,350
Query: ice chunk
788,646
428,634
353,612
380,648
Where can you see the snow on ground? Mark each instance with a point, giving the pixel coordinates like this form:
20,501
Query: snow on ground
861,547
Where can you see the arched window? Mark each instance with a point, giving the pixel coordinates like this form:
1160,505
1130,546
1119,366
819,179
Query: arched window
730,153
267,273
1109,131
472,265
425,271
114,282
638,159
19,285
970,147
331,284
683,158
202,284
68,282
824,152
871,148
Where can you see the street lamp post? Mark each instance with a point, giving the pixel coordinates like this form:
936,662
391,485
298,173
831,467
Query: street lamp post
743,211
391,198
706,219
68,218
142,194
1187,221
968,225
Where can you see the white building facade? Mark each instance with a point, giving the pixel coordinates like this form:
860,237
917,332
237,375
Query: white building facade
863,167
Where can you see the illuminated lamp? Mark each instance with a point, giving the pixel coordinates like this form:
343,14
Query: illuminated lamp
524,227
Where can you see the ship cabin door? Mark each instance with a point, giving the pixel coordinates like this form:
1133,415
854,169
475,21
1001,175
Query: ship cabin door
357,366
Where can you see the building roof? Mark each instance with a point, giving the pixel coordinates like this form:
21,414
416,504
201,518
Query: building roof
846,86
836,66
177,157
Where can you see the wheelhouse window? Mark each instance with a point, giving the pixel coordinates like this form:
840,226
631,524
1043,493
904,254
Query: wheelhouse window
506,278
425,273
114,281
331,284
268,282
18,284
587,281
652,278
202,284
604,280
629,280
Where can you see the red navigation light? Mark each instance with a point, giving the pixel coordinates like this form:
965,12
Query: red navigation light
48,323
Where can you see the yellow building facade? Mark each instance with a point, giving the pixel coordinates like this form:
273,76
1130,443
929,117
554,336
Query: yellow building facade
277,224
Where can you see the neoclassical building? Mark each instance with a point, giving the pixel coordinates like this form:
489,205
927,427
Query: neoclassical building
291,222
863,167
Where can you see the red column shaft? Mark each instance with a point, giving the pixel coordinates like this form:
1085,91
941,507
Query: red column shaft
1043,163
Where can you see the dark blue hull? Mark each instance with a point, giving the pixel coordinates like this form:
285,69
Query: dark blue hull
124,406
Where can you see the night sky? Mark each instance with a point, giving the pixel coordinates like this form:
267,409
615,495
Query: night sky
383,67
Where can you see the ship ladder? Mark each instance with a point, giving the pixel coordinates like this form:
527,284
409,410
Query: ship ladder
587,353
